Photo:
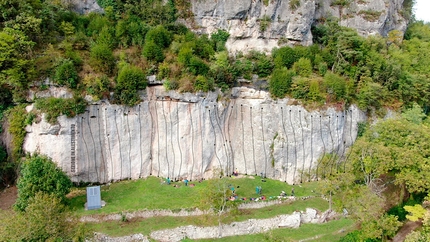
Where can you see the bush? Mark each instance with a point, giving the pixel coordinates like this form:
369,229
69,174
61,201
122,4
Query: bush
280,82
303,67
264,66
66,74
336,85
160,36
130,80
203,84
41,174
102,58
197,66
55,107
16,118
284,57
98,87
301,88
153,52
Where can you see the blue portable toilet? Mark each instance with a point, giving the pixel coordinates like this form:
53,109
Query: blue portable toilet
94,200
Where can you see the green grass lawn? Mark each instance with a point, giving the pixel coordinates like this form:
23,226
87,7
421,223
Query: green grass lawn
145,226
151,193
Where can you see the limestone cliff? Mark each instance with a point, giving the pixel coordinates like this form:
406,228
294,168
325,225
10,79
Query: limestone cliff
265,24
262,25
187,135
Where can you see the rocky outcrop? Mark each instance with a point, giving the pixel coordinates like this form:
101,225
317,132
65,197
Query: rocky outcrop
251,226
192,135
263,25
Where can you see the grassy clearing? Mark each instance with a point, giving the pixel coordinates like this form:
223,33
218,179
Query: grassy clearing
145,226
328,232
151,193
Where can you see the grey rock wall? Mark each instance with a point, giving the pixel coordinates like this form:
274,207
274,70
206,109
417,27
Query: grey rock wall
243,18
192,135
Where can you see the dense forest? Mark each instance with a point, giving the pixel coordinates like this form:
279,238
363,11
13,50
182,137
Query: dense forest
110,55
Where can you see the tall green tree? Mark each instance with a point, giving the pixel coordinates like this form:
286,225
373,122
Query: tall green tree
40,174
45,218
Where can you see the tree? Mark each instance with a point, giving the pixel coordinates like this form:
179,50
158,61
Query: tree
216,198
40,174
280,82
44,219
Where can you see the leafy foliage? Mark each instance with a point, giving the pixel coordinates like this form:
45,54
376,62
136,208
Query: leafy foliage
41,174
66,74
130,80
55,107
44,219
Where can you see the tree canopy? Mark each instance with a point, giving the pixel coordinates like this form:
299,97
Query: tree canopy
41,174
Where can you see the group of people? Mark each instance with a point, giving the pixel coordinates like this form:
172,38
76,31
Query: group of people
186,181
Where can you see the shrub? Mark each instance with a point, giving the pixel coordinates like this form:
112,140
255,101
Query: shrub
219,39
102,58
130,80
66,74
300,88
336,85
280,82
264,66
203,84
98,87
197,66
284,57
170,85
41,174
160,36
153,52
16,118
54,107
303,67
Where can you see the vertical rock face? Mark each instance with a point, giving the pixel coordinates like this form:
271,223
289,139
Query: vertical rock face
289,22
191,136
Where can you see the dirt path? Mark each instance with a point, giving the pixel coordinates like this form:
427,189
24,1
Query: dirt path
405,230
8,198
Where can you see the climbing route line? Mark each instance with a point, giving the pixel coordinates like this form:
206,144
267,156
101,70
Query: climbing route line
158,139
223,139
252,135
295,149
109,148
94,146
152,137
303,145
192,141
243,139
228,140
324,149
126,114
140,142
286,137
201,138
312,151
264,145
171,142
86,149
102,153
119,142
179,142
213,128
165,140
333,156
